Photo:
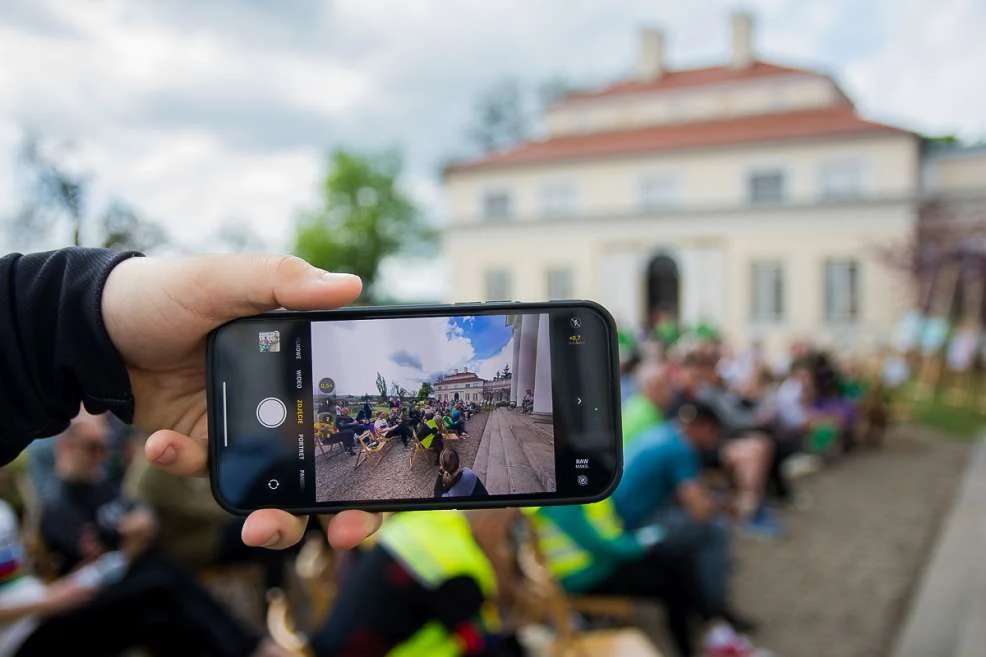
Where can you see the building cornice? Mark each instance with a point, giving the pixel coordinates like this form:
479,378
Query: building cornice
617,217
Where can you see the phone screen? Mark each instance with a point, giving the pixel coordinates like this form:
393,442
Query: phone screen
414,408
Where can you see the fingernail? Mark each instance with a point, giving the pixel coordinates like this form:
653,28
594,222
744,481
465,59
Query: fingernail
273,540
337,277
168,456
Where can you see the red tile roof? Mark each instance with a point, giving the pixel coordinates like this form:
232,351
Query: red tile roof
837,120
459,377
695,77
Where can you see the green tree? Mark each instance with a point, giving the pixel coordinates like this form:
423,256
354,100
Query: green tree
425,391
364,218
381,385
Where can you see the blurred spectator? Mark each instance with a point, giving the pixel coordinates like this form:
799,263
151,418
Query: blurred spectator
666,329
661,485
41,457
108,541
589,552
743,450
629,360
643,409
194,530
830,400
428,586
454,480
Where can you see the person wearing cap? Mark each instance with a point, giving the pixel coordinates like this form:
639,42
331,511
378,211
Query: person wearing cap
661,484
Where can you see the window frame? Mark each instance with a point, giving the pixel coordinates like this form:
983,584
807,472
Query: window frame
779,293
507,283
831,167
849,285
760,172
566,272
484,204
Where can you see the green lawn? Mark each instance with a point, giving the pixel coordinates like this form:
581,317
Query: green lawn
964,422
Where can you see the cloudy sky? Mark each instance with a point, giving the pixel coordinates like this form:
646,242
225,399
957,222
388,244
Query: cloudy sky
204,111
408,351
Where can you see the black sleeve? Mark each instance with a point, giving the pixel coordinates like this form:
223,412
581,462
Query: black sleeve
457,602
55,352
479,490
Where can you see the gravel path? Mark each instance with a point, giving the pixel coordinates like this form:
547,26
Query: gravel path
392,477
838,586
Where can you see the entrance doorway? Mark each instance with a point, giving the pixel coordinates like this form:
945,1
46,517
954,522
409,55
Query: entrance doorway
663,288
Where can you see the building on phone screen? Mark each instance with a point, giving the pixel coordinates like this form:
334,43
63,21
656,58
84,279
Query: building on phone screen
752,196
462,386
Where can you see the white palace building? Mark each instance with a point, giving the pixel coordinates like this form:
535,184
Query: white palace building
751,195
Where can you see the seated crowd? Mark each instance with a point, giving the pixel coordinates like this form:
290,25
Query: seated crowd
120,548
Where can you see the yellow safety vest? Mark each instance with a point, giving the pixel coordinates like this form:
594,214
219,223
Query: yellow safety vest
564,556
436,546
430,437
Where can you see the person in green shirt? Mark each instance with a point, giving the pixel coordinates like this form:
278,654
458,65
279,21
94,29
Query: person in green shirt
667,331
643,409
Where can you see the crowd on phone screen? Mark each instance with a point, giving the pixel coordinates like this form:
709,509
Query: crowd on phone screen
107,553
430,423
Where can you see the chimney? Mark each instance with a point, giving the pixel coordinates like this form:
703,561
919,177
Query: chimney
650,66
742,40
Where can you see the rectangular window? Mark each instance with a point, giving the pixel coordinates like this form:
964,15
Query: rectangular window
767,289
661,191
840,179
498,285
559,199
560,284
766,186
496,204
841,291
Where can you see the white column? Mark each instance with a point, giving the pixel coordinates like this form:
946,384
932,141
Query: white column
528,355
514,397
542,372
692,280
622,276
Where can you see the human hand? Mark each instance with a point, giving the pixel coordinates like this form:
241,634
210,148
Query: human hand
158,312
65,595
138,528
90,547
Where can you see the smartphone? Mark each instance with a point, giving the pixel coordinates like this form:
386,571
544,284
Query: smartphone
402,408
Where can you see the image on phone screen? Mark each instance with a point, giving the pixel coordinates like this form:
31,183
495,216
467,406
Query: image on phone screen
341,409
427,383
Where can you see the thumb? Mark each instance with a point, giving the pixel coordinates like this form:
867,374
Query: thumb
231,286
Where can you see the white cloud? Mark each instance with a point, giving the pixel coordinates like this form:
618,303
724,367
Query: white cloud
351,353
199,112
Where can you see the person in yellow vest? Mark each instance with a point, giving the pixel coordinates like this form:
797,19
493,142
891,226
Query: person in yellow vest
427,587
588,551
430,435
